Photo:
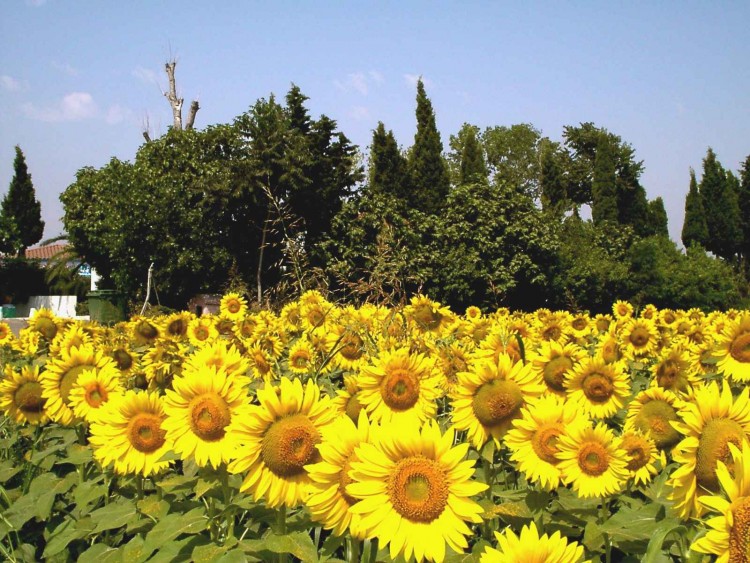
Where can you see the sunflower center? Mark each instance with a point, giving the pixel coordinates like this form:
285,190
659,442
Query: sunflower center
610,352
739,534
639,337
544,442
209,416
667,373
418,489
352,347
552,332
145,432
46,327
713,446
597,387
554,372
602,324
353,407
579,323
96,395
201,333
400,389
301,359
497,401
69,378
654,418
740,348
638,451
234,306
177,327
28,397
123,359
147,330
289,444
593,459
428,318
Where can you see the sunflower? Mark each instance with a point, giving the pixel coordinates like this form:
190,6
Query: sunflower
245,328
259,362
400,386
452,360
580,325
675,370
349,347
72,336
533,438
599,388
502,339
733,349
144,332
278,438
92,390
61,374
328,501
488,398
291,317
202,408
415,491
233,306
592,461
21,395
45,323
202,331
301,358
638,338
652,411
551,328
6,335
314,310
622,310
642,456
553,361
175,326
346,400
712,421
729,536
602,322
219,354
530,547
473,312
428,315
130,435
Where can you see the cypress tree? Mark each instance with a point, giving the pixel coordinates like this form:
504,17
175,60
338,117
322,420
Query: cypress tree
387,172
473,167
722,208
694,229
20,211
604,185
743,196
656,219
552,181
430,183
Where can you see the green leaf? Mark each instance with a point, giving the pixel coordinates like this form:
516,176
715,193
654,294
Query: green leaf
593,538
46,491
208,553
87,492
654,553
62,535
176,483
233,556
203,486
298,544
115,515
174,525
101,553
7,471
78,454
134,550
153,507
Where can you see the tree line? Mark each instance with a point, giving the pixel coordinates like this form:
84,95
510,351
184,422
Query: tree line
277,201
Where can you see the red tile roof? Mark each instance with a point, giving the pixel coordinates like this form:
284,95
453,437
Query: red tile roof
44,252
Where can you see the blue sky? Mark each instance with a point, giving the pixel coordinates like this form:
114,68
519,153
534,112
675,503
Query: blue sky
78,78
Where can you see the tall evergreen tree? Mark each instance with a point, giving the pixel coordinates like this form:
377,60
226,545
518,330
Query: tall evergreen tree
473,167
428,172
744,199
604,184
21,208
552,183
694,229
388,174
721,207
656,219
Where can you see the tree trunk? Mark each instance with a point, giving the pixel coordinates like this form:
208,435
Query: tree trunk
194,107
171,96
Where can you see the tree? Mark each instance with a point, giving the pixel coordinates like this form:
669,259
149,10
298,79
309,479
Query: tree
694,228
552,181
744,200
657,221
604,189
20,211
427,169
473,168
513,156
387,171
722,209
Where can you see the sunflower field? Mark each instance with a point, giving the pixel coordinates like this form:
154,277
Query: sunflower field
324,432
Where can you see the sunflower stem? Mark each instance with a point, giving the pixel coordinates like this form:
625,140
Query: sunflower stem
352,549
227,493
139,487
281,529
603,517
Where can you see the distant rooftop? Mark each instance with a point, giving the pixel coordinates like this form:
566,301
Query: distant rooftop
45,252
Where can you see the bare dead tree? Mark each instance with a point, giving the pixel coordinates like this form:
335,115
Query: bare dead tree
175,102
194,107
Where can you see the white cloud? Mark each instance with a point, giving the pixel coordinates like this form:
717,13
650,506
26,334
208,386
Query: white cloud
73,107
66,68
11,84
359,113
144,75
359,82
116,114
412,79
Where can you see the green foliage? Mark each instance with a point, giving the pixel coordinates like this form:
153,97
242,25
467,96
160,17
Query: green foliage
428,172
743,196
473,167
552,180
21,222
722,208
388,173
657,222
513,156
604,189
19,279
694,229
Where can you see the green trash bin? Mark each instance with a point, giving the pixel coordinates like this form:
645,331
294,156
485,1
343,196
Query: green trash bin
106,306
9,311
